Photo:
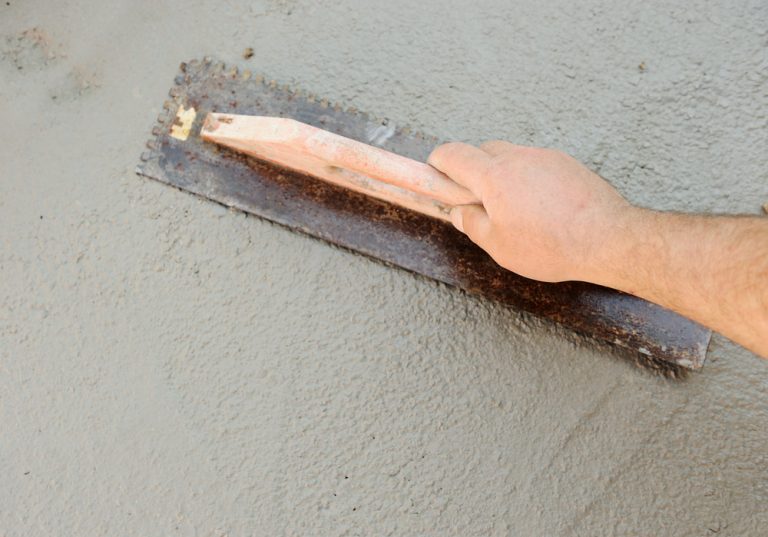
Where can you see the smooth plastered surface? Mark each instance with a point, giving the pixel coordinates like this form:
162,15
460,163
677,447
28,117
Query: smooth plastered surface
168,367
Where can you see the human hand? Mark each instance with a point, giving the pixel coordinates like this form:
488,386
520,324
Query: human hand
544,215
547,217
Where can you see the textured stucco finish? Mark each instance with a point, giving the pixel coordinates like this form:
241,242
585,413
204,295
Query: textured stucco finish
168,367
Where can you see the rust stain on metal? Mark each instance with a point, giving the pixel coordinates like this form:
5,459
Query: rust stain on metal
385,232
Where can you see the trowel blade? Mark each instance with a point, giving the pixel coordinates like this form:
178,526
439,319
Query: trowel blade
427,246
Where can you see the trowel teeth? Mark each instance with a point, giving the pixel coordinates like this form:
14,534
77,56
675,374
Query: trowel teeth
246,74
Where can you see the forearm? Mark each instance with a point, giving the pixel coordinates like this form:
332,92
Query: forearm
713,269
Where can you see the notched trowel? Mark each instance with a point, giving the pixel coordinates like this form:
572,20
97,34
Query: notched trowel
354,193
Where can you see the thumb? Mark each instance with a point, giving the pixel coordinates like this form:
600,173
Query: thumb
473,221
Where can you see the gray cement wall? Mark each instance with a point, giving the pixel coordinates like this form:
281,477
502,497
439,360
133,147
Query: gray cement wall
168,367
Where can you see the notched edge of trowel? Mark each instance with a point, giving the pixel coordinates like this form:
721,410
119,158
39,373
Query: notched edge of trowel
649,334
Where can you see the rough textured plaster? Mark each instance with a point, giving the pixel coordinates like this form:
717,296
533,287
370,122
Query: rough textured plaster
171,368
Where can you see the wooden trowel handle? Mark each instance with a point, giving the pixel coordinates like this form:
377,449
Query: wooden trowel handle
339,160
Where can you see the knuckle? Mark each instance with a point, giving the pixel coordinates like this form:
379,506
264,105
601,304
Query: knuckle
445,151
440,150
537,155
491,145
451,147
536,152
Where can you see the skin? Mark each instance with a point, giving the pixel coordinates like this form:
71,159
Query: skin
546,216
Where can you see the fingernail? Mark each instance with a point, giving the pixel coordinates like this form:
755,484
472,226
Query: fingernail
457,219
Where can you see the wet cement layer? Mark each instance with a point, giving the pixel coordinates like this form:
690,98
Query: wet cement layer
168,367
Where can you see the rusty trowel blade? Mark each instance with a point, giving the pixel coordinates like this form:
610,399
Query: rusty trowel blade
427,246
